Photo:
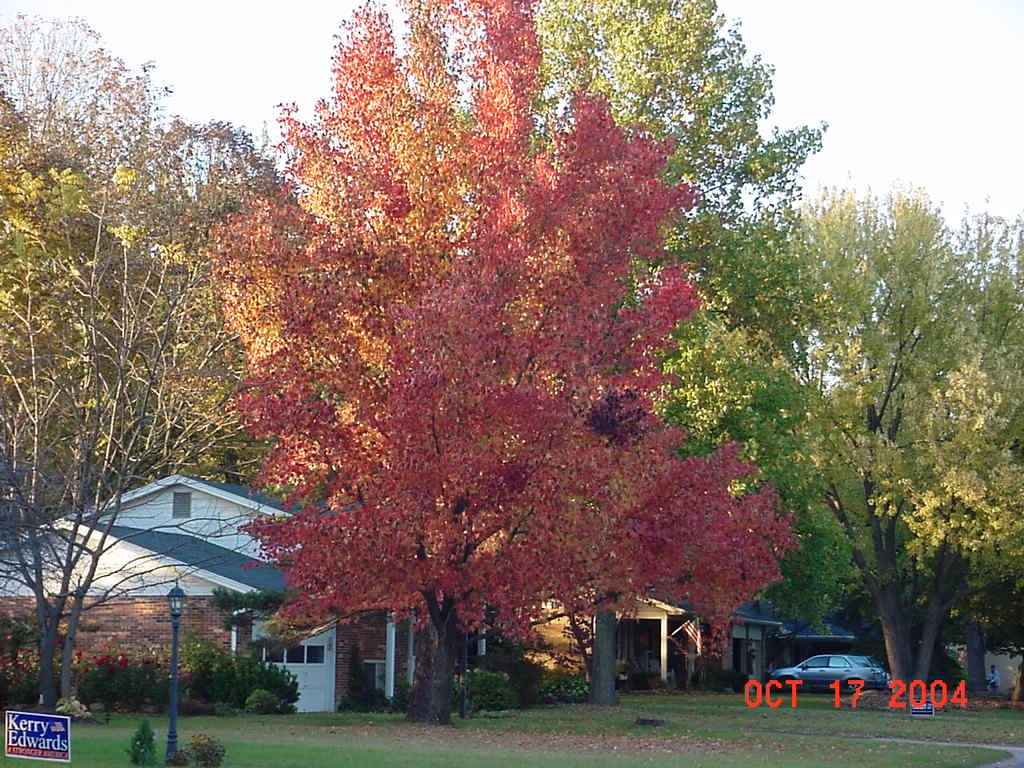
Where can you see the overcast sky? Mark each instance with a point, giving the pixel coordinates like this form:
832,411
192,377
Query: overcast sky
927,92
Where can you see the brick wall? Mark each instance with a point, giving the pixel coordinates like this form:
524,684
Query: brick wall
139,622
146,621
368,632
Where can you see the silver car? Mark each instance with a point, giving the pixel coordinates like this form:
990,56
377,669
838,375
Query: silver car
821,671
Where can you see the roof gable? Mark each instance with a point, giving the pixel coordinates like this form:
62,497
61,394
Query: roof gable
237,494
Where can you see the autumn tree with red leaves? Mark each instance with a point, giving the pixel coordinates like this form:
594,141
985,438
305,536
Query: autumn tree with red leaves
453,320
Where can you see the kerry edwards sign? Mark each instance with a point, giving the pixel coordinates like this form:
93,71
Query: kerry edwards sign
38,737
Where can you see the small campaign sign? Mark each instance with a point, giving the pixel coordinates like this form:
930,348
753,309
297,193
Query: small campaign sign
925,710
37,736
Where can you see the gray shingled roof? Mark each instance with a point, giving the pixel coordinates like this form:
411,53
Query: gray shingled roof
200,553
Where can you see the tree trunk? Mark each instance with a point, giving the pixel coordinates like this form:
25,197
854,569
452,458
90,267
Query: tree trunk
602,678
975,657
47,676
896,631
931,633
437,649
67,654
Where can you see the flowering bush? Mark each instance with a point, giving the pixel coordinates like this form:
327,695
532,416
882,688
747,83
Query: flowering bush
120,680
19,678
207,751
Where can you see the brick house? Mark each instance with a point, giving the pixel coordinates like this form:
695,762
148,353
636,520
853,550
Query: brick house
189,531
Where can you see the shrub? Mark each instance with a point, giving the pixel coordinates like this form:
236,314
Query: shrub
18,633
560,685
142,748
490,691
218,677
261,702
400,701
119,679
209,667
524,675
19,676
364,696
206,751
251,674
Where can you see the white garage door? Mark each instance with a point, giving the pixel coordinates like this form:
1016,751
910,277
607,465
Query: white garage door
312,663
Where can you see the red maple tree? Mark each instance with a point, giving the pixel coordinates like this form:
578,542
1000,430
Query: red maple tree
452,320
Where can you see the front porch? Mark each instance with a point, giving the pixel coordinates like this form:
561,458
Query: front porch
657,646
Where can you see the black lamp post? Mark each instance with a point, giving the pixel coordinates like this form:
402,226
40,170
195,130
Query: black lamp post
176,597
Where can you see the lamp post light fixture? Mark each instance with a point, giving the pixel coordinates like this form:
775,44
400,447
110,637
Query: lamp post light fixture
176,598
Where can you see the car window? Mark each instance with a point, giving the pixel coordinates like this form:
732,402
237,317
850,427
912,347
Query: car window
861,661
838,661
817,661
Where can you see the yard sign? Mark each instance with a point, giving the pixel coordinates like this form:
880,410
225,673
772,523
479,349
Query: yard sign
37,736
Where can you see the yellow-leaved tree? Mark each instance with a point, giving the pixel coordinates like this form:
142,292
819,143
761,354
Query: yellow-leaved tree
916,384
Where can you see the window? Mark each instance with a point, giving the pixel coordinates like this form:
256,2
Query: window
298,654
182,505
374,674
838,661
817,661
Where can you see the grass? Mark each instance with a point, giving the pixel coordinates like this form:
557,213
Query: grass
727,715
700,730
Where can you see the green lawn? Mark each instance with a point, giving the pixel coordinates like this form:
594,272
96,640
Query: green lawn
711,730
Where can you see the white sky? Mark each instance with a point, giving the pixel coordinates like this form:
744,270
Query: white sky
927,92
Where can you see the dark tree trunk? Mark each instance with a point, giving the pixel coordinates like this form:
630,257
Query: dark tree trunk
67,655
931,632
896,631
975,657
603,672
437,649
47,673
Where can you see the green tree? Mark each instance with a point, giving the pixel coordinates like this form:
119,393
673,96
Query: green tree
914,374
676,68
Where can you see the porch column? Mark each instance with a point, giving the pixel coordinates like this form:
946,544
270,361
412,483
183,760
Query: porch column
389,657
664,648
